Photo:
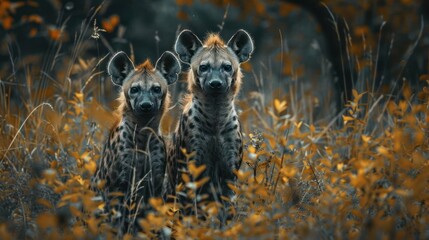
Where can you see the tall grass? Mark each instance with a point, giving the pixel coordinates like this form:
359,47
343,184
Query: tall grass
360,174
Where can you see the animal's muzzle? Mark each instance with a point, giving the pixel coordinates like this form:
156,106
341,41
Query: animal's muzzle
215,84
146,106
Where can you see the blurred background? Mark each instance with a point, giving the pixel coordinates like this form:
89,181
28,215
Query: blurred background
314,52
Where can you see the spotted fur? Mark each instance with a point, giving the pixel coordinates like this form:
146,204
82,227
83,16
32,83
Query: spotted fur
209,125
134,156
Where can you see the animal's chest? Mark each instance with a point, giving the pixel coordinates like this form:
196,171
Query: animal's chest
136,154
214,147
213,135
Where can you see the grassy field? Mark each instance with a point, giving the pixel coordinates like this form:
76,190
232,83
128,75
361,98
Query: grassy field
359,174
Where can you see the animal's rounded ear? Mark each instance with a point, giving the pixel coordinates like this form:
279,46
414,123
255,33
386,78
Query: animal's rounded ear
187,44
242,44
120,65
169,66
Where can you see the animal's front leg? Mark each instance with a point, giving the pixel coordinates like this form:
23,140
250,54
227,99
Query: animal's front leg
158,164
233,148
230,163
202,156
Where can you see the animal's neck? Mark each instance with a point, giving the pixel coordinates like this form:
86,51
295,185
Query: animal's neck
216,111
140,124
138,133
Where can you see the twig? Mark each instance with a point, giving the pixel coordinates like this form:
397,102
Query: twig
278,175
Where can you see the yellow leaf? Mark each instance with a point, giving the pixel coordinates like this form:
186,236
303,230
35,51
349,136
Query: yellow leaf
151,222
233,231
340,166
251,149
85,156
243,176
101,206
186,178
233,188
419,138
403,105
101,183
328,150
44,203
128,236
196,171
91,166
75,212
398,138
187,155
262,192
347,119
366,138
407,92
254,219
355,93
383,151
110,24
72,197
404,192
271,140
79,96
7,22
312,128
358,181
280,106
78,232
298,125
155,202
79,179
357,96
54,33
46,220
201,182
288,171
116,194
92,225
259,178
212,209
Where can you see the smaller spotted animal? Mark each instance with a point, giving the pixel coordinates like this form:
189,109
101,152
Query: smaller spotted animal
133,161
209,126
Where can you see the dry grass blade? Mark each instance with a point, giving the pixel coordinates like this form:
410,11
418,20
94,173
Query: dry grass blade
20,128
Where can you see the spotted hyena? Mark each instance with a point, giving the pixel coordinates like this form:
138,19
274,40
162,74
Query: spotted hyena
209,126
133,161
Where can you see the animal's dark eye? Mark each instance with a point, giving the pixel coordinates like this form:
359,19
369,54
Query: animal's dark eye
227,68
204,67
156,89
134,89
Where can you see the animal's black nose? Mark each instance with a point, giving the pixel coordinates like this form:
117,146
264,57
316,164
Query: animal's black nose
216,83
146,106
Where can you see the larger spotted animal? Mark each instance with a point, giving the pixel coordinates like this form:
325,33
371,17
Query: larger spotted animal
209,128
133,161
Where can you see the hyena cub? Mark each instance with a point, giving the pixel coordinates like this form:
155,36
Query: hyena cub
209,125
133,161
